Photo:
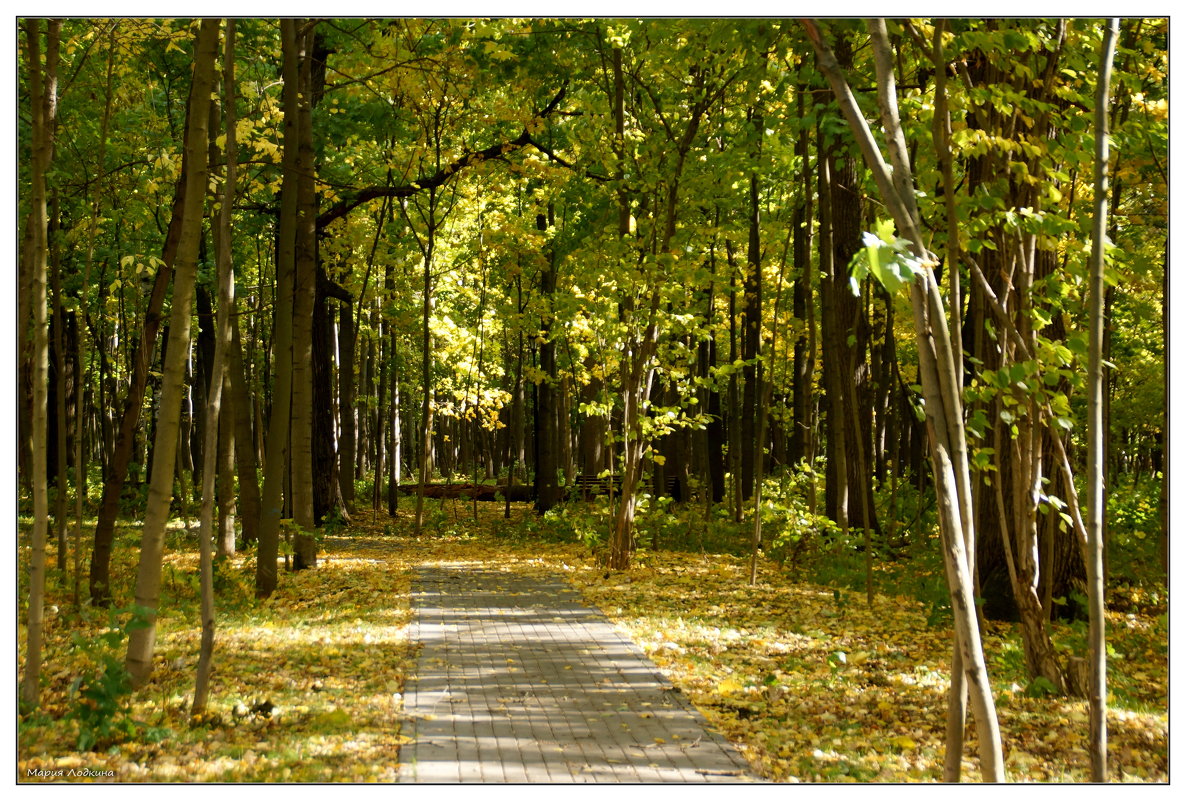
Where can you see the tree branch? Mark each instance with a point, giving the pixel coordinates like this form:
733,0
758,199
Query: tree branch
441,176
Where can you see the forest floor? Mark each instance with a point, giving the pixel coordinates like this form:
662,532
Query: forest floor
809,681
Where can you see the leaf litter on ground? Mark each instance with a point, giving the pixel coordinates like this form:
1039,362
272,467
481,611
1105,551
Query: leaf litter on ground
810,683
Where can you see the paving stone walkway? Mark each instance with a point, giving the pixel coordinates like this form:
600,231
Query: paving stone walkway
518,681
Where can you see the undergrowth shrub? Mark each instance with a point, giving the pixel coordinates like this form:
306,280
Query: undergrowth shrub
102,691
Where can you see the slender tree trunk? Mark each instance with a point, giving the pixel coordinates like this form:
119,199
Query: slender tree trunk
222,339
395,470
276,462
836,493
547,430
43,99
1097,436
348,431
248,505
733,395
304,298
379,361
426,427
141,644
228,419
802,307
395,435
204,358
515,438
327,492
751,331
60,441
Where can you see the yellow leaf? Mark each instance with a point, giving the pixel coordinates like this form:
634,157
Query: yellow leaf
729,686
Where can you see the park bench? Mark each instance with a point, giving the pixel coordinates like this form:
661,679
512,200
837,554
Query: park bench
589,485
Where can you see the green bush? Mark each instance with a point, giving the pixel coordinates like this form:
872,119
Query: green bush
1134,533
101,693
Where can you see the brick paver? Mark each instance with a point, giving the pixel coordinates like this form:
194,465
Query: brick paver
519,681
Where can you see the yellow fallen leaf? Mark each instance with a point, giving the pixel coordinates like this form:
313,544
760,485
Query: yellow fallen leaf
728,686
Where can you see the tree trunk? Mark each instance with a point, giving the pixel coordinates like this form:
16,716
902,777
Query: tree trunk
43,99
426,417
327,493
245,453
547,429
1097,429
204,359
304,298
59,386
849,341
141,644
751,332
346,425
276,463
803,308
228,415
222,339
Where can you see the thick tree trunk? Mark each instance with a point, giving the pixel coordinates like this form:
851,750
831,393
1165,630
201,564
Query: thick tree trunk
849,343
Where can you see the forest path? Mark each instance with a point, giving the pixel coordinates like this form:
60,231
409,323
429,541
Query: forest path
519,681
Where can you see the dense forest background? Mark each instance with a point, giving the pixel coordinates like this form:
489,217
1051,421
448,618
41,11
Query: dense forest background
276,275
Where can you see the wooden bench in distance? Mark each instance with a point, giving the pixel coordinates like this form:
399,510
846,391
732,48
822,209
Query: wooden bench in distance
589,485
